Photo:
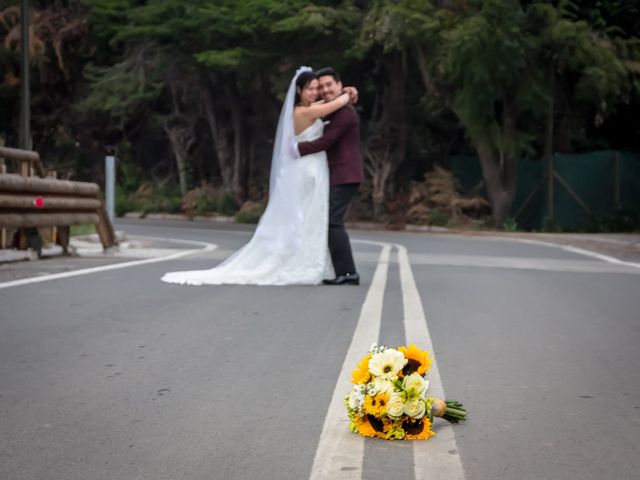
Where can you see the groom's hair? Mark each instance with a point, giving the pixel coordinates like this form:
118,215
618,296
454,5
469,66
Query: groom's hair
323,72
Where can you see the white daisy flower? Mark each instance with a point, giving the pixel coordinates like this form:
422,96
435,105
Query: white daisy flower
387,364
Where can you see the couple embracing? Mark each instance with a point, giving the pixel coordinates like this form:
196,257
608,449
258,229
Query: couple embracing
316,169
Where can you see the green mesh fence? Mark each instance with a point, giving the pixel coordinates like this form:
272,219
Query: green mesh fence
591,191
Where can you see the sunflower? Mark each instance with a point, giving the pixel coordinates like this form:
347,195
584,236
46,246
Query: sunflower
417,430
361,374
377,405
418,360
395,431
364,427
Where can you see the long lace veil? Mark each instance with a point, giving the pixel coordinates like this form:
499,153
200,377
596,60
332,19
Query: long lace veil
285,133
281,225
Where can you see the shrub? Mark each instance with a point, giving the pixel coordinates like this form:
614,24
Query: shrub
510,225
207,199
148,199
124,202
615,221
437,201
250,212
438,217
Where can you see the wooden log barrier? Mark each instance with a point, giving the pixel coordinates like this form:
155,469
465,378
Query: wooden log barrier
16,183
19,154
26,220
28,160
47,202
27,202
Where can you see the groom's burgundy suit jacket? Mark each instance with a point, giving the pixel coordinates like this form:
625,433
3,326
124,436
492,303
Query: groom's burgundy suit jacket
341,140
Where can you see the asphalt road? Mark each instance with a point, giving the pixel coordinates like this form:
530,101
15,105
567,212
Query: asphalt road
115,375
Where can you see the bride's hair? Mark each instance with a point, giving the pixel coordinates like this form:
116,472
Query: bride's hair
302,81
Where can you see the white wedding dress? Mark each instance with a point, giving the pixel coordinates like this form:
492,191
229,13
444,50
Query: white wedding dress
289,246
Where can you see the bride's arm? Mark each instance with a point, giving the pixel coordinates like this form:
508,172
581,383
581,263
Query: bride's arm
322,109
353,96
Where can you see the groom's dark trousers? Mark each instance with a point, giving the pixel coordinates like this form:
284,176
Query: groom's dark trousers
340,197
341,141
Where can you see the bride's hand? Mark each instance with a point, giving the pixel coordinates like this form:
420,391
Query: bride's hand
353,94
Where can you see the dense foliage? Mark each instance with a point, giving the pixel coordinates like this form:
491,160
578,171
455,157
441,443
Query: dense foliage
187,92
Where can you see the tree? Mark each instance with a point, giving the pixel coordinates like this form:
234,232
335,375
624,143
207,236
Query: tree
214,60
190,91
488,61
60,46
386,136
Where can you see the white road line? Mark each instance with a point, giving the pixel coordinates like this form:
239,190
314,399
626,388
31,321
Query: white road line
600,256
115,266
569,248
523,263
438,457
339,453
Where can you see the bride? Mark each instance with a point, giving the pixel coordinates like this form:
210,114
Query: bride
289,245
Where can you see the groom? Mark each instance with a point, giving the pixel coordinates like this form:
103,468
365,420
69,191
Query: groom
341,141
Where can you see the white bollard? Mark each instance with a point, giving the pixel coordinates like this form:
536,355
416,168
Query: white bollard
110,182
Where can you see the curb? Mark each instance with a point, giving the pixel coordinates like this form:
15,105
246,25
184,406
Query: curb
631,244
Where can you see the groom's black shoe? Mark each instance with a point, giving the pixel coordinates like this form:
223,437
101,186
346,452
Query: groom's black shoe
348,279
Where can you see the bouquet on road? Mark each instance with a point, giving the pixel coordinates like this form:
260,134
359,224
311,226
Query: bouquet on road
389,397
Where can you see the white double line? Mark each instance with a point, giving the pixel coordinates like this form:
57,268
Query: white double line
439,457
339,455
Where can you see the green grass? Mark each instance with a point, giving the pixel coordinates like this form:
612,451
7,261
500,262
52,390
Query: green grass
77,230
510,225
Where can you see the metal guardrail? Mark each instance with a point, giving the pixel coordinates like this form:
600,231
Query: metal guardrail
27,201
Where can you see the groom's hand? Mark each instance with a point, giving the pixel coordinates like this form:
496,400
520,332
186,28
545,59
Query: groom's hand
353,94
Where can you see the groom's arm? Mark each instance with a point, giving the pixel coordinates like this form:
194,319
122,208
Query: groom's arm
340,123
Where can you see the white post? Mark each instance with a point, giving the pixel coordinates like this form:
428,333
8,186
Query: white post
3,232
110,181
